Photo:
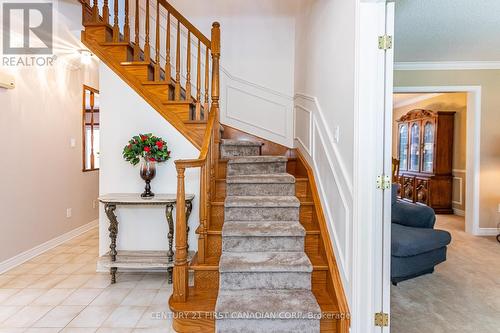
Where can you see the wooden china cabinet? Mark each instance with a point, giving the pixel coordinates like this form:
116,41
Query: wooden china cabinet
425,152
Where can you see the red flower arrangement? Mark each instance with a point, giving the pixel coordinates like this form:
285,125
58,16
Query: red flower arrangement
147,146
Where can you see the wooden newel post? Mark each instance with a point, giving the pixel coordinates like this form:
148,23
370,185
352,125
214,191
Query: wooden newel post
215,63
180,278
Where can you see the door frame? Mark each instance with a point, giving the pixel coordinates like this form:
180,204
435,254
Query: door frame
473,148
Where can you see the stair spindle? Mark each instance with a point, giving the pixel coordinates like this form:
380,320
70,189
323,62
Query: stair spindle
147,51
178,64
137,47
126,27
105,12
168,66
188,68
95,11
116,27
207,82
198,84
157,44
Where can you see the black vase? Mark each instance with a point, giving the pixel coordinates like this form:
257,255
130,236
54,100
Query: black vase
148,172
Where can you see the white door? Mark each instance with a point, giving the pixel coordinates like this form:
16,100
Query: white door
372,206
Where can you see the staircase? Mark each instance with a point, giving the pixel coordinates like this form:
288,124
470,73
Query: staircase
263,243
265,275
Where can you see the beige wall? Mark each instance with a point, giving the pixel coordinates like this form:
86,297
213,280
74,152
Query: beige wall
489,80
40,173
445,102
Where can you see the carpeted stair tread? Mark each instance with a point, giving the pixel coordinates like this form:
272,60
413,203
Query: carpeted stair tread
231,142
263,229
264,262
280,178
257,159
262,201
299,302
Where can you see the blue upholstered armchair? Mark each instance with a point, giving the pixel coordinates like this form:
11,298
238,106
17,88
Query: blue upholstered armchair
415,246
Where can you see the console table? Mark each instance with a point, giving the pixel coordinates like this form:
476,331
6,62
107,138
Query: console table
141,259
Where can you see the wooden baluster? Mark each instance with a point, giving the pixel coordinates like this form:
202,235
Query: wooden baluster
215,63
105,12
95,11
201,235
180,287
198,84
188,68
137,47
126,27
116,27
207,82
147,51
157,44
168,66
178,64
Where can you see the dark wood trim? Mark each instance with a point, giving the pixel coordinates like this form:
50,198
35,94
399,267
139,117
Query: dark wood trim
86,111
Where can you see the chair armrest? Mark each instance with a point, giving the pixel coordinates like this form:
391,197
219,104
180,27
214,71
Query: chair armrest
413,215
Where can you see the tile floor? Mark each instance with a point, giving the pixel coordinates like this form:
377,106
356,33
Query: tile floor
462,295
59,291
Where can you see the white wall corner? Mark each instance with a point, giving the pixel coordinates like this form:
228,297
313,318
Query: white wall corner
21,258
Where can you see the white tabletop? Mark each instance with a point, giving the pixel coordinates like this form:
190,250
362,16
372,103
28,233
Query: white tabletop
135,198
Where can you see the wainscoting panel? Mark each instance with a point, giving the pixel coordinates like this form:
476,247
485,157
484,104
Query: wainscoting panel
314,139
458,195
256,109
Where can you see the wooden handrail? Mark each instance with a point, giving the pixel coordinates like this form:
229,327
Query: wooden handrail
184,21
205,161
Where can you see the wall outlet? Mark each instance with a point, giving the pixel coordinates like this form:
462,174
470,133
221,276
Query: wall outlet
69,212
94,204
72,142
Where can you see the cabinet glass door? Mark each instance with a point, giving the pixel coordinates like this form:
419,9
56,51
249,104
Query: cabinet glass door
428,150
415,147
403,147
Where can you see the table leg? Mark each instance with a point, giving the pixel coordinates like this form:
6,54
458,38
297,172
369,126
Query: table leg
170,271
189,207
170,236
112,271
113,232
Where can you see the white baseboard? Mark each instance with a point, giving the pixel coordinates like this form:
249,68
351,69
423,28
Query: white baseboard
487,232
458,212
39,249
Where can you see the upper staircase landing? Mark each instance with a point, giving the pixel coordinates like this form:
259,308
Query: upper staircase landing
161,55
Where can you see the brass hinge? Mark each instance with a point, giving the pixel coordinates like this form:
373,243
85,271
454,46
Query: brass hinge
381,319
385,42
383,182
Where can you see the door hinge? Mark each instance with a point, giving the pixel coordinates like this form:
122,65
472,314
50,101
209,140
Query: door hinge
381,319
385,42
384,182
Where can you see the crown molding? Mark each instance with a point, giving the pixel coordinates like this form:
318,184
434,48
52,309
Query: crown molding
445,65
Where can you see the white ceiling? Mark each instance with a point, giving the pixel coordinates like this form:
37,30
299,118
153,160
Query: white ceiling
447,30
404,99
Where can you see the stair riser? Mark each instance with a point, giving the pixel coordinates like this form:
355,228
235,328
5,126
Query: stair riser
227,151
234,169
262,244
261,214
260,189
265,280
267,325
141,72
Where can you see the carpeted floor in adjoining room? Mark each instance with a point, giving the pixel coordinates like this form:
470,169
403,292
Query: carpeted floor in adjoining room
60,291
462,295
